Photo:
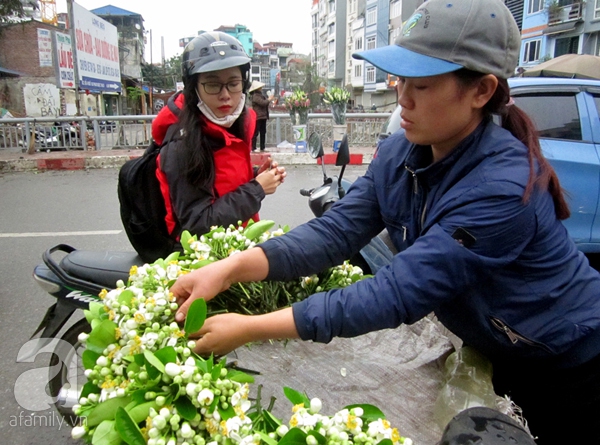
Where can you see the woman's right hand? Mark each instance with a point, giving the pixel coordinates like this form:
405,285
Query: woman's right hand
271,179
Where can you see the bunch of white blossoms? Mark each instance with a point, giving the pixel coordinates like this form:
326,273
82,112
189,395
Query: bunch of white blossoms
346,427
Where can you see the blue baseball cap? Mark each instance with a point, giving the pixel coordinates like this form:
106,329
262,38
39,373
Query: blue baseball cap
443,36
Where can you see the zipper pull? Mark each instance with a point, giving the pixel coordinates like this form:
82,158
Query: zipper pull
404,230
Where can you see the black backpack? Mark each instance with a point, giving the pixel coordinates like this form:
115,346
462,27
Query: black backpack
143,208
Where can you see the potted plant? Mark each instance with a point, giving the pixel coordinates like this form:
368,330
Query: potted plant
338,99
297,105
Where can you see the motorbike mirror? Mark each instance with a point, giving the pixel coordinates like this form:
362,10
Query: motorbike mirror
343,156
315,146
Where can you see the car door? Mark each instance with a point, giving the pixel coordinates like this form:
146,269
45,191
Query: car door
561,114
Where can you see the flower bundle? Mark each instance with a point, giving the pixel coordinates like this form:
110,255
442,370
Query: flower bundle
336,96
297,101
147,386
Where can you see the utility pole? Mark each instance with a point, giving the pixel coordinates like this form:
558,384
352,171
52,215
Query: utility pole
151,75
75,60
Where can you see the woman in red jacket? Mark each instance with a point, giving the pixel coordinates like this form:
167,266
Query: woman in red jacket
204,168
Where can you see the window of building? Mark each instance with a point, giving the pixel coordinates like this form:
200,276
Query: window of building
331,29
331,48
358,71
371,42
370,74
597,10
358,43
568,45
394,35
331,66
371,16
550,124
331,6
532,51
535,6
396,9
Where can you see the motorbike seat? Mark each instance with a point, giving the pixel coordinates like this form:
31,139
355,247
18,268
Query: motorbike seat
103,268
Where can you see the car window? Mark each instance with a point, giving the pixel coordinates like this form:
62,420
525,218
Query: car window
597,102
556,116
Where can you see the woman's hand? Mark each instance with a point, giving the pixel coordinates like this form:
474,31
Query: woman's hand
223,333
270,176
249,265
201,283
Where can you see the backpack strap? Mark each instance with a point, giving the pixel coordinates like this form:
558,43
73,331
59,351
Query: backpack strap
172,106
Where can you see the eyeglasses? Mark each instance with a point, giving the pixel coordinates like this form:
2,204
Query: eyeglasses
235,86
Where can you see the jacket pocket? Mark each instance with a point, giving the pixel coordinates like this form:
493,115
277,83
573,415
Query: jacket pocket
514,337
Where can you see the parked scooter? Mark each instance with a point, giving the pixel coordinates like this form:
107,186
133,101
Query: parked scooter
374,255
43,139
75,280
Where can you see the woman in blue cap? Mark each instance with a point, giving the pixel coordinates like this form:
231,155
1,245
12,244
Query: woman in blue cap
474,210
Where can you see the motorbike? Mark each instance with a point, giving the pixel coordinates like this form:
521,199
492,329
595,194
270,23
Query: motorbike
379,252
44,138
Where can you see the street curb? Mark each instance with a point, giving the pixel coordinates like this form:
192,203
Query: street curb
116,161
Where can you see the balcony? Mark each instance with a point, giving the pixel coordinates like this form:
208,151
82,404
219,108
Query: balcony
559,14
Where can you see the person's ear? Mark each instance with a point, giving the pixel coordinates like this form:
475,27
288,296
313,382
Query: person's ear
485,90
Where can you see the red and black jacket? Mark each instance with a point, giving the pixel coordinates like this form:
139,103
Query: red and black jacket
234,196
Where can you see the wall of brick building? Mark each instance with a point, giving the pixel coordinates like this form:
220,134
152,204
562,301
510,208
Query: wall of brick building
19,49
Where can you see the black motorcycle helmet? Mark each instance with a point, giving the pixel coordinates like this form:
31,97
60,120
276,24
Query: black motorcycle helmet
484,426
213,51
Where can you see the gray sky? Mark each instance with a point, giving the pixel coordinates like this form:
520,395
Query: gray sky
269,20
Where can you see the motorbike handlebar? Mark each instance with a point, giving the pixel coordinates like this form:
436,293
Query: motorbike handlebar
306,192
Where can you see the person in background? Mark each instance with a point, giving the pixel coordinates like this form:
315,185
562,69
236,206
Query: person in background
474,210
260,105
205,171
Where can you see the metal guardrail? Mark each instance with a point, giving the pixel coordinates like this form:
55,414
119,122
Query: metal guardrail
114,132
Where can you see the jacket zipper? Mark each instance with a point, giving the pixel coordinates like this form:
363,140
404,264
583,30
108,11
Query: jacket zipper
513,336
416,192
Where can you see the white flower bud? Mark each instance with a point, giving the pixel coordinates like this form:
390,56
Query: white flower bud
82,337
186,430
102,361
172,369
315,405
78,432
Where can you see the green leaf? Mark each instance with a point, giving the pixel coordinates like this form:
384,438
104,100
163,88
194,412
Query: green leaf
139,359
106,434
152,360
294,436
106,410
238,376
296,397
89,388
128,429
185,408
88,358
101,336
253,231
94,312
95,322
166,355
200,263
125,297
385,442
226,414
141,411
320,438
267,439
371,412
195,316
173,257
185,241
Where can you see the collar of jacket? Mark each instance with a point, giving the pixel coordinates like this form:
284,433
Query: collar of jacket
222,134
464,156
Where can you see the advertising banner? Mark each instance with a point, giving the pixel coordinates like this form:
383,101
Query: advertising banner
45,47
97,48
63,54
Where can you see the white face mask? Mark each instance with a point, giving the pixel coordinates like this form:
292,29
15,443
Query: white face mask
225,121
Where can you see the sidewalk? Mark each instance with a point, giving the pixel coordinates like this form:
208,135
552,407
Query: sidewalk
14,161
